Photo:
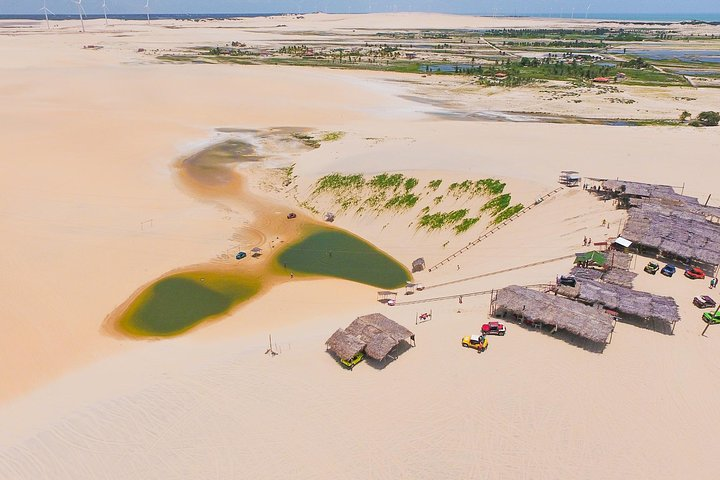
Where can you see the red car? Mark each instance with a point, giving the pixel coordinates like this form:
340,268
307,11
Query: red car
493,328
695,273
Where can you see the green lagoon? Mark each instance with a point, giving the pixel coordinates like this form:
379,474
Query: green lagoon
178,302
339,254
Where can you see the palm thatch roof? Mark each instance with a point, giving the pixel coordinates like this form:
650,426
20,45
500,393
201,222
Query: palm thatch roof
375,334
680,233
556,311
618,259
625,300
344,345
618,276
674,224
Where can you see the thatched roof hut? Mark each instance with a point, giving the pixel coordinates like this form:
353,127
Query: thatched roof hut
418,265
618,276
675,225
375,334
577,318
627,301
344,345
679,233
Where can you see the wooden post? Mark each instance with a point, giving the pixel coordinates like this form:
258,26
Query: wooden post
705,330
708,199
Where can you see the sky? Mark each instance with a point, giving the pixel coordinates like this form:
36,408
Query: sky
501,7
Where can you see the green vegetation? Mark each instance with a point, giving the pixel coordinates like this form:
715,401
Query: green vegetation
332,136
307,140
434,184
288,174
439,220
402,201
385,181
410,183
507,213
489,186
706,119
396,192
465,224
337,181
339,254
497,204
176,303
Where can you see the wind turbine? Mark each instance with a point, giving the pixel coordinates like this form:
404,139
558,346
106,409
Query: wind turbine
104,7
46,10
81,10
147,10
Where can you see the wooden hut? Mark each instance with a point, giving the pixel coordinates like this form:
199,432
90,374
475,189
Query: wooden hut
386,296
418,265
667,224
375,334
570,178
555,311
626,301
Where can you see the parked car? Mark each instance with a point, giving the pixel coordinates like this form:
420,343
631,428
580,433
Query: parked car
668,270
568,280
478,342
652,268
494,328
240,255
354,360
695,273
712,317
291,215
703,301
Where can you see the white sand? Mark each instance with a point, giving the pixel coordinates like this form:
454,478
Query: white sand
89,139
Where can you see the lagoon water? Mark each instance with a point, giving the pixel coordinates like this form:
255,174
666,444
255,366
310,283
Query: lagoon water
176,303
692,56
339,254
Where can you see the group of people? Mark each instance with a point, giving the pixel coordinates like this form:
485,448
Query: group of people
587,241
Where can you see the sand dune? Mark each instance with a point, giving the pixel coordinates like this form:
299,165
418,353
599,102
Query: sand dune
90,139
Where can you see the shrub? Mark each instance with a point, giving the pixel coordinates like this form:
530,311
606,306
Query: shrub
435,184
465,225
410,183
497,204
507,213
441,219
337,181
406,200
706,119
384,180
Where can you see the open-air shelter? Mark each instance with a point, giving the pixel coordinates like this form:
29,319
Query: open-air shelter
375,334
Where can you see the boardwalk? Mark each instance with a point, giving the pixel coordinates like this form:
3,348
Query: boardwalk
493,230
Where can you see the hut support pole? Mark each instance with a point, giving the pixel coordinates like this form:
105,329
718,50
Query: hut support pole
672,330
708,199
705,330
